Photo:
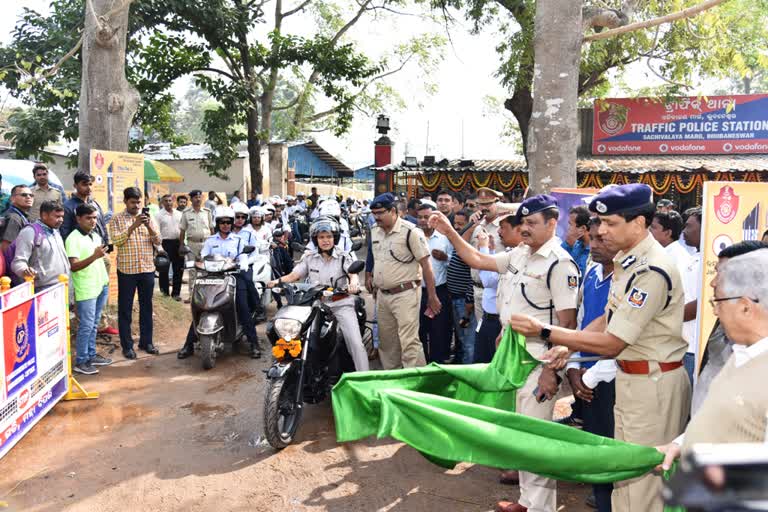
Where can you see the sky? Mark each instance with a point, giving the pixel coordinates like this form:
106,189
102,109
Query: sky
454,121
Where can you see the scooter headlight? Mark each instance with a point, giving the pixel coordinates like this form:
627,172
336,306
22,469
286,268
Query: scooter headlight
287,328
214,265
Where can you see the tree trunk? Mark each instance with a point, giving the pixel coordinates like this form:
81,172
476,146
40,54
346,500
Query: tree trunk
254,151
553,130
747,82
107,101
521,106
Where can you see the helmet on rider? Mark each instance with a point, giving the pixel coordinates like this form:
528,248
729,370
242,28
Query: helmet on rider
324,225
330,208
256,211
223,212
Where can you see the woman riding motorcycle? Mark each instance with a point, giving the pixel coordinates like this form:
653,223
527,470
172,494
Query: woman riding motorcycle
326,266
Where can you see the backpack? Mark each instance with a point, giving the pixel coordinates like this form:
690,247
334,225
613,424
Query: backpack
10,251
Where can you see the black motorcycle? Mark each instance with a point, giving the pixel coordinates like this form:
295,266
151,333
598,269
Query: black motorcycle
214,310
310,354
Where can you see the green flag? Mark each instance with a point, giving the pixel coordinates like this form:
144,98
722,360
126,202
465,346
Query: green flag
466,413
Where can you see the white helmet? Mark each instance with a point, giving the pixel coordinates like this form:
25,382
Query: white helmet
240,207
331,208
256,211
269,209
223,212
278,201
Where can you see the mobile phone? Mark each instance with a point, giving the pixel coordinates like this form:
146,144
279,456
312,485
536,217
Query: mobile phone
110,248
145,210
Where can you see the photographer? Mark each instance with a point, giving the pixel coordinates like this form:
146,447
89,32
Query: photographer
135,235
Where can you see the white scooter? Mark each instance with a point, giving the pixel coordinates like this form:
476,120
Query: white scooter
262,271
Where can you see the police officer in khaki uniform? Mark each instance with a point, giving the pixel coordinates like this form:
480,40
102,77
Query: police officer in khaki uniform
486,219
400,260
540,279
642,328
195,227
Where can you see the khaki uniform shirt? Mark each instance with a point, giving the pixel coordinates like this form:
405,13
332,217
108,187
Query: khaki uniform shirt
638,315
315,269
196,225
492,228
52,194
394,263
523,284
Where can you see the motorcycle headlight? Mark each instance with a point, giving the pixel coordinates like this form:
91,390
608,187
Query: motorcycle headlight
214,265
287,328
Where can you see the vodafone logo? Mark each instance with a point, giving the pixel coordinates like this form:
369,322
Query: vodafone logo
601,148
727,147
23,399
663,148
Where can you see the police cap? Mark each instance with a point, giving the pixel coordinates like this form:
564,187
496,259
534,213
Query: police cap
622,199
488,195
196,192
536,204
386,201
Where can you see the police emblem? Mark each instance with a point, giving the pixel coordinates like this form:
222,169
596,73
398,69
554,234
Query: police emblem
600,207
21,340
525,210
637,297
573,282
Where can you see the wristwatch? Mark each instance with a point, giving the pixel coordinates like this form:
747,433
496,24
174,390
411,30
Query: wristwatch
545,333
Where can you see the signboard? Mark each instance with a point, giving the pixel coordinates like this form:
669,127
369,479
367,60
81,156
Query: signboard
731,212
34,362
684,126
16,295
112,173
567,198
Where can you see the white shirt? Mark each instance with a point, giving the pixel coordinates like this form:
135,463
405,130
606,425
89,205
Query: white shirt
689,248
263,234
439,268
742,354
688,266
168,222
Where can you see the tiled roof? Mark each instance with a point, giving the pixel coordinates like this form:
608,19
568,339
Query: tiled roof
629,163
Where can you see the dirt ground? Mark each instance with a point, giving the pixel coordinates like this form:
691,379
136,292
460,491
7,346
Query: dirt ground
166,435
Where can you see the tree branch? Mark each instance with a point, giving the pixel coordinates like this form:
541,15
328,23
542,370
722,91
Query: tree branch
299,7
685,13
214,70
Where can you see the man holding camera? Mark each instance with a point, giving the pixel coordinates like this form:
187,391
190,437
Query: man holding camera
135,235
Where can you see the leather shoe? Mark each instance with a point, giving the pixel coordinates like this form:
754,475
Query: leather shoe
509,506
129,354
150,349
185,352
509,477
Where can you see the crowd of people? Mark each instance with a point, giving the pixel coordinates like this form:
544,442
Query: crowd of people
620,291
448,274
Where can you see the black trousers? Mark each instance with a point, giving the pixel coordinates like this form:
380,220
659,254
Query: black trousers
598,419
171,247
127,286
485,339
435,333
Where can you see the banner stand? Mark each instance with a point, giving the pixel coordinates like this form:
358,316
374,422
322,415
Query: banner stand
75,390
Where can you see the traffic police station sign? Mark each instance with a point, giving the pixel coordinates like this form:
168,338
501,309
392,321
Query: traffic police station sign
681,126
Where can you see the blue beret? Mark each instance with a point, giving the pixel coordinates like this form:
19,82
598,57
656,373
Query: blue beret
385,200
622,199
536,204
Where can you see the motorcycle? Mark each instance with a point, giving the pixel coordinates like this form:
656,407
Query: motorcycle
310,354
262,271
214,310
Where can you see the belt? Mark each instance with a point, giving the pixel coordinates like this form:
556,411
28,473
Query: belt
408,285
490,316
643,368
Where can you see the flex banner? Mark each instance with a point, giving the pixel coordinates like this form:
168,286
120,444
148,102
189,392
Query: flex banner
33,363
112,173
731,212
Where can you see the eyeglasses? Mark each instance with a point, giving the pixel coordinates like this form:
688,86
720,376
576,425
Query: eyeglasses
223,222
379,214
714,301
26,194
241,216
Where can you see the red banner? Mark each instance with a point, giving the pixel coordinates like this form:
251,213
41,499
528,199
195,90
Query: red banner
681,126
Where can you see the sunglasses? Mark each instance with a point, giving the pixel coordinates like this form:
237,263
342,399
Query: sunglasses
25,194
223,222
241,216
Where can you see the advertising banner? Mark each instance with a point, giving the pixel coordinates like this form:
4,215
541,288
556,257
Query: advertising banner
34,362
731,212
112,173
567,198
16,295
683,126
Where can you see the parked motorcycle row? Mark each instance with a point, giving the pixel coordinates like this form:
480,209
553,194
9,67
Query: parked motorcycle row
308,349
